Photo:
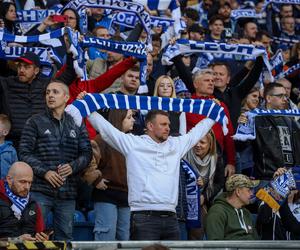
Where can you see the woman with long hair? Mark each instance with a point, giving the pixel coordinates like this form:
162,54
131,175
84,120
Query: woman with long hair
209,166
8,15
164,87
110,194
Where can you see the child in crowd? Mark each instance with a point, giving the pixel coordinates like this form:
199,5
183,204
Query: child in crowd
8,154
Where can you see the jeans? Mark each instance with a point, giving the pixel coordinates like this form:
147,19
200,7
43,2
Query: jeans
63,212
111,222
154,227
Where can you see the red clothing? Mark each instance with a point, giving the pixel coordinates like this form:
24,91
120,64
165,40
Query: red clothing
99,84
226,142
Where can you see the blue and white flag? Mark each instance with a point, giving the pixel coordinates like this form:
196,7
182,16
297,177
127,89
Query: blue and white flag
193,194
92,102
285,41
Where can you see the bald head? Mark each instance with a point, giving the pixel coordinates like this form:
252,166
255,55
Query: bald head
19,178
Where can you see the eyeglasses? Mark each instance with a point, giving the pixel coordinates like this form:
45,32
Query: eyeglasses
281,96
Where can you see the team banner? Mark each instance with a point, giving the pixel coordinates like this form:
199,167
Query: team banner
242,13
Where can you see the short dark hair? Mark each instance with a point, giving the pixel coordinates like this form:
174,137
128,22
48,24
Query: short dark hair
262,33
195,27
270,87
191,13
219,63
215,18
153,113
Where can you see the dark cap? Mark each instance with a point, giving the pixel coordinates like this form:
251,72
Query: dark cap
30,58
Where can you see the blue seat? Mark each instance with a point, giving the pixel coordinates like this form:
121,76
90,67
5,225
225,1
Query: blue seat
79,217
91,216
49,220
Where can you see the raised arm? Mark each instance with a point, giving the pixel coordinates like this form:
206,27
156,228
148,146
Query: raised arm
114,137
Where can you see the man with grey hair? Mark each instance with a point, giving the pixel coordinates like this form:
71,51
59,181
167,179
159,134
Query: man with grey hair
203,81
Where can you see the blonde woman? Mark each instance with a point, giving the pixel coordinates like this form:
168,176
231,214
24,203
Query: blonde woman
164,87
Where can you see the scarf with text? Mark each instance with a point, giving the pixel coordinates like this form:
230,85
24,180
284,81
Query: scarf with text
218,50
246,131
117,5
92,102
288,72
18,203
276,191
193,194
135,49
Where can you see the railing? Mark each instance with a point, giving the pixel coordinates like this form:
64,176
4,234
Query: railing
180,245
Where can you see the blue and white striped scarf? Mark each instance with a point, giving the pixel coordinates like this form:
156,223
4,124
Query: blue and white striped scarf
135,49
92,102
267,2
246,131
288,71
18,203
193,194
284,41
117,5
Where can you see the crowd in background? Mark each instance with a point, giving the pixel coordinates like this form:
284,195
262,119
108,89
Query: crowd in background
79,168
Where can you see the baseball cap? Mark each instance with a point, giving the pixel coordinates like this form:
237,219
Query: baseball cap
30,58
238,181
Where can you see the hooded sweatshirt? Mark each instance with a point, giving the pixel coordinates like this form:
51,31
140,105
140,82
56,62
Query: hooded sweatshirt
224,222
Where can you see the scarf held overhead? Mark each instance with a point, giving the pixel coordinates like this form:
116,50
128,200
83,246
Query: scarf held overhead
92,102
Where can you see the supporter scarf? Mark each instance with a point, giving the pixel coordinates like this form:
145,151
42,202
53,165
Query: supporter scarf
44,38
92,102
193,194
117,5
246,131
288,71
130,20
276,192
46,54
221,50
242,13
267,2
285,41
162,5
135,49
18,203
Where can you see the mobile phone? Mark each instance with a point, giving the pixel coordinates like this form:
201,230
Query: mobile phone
60,18
48,231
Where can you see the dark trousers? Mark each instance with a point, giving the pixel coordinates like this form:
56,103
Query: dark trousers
154,225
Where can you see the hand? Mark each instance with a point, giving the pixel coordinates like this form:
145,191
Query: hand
101,185
81,95
48,21
172,41
200,181
54,179
26,237
14,45
279,171
64,170
229,170
243,118
42,236
201,200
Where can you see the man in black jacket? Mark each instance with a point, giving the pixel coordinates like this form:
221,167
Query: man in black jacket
58,151
277,142
22,96
20,216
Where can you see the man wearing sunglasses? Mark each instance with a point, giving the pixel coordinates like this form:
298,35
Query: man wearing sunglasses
277,140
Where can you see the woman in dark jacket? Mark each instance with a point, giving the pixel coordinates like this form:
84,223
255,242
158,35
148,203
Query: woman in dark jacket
9,16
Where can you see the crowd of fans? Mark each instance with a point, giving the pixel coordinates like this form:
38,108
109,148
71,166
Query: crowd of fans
132,173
